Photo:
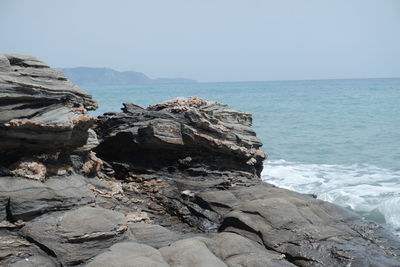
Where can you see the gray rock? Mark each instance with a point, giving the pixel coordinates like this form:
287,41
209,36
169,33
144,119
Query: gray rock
25,199
191,252
308,231
76,236
40,110
129,254
16,251
153,235
214,137
236,250
35,261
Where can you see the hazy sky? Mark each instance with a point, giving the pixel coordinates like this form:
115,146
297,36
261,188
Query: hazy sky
210,40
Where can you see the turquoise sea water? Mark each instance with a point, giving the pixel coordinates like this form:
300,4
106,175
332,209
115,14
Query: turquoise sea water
338,139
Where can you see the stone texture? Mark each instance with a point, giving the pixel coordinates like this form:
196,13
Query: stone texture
153,235
16,251
236,250
308,231
129,254
181,176
191,252
25,199
76,236
200,161
191,136
34,261
40,110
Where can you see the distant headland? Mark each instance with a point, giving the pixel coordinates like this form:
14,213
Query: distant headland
107,76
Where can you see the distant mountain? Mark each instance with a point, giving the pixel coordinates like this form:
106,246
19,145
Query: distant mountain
107,76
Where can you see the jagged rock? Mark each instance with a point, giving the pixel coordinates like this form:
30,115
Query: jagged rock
190,166
30,168
206,161
16,251
76,236
179,145
40,110
191,136
25,199
308,231
129,254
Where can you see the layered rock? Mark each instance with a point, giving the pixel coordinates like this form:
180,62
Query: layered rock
184,137
174,184
199,162
40,109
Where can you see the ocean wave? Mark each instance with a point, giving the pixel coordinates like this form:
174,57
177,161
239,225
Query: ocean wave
369,190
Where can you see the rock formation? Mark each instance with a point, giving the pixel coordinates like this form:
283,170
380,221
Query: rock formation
40,110
174,184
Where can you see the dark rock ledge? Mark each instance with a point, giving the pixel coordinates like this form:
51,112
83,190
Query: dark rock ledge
174,184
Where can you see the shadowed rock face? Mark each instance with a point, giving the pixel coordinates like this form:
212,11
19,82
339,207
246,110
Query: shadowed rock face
191,137
40,110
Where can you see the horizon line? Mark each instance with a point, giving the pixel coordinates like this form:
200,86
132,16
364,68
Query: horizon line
304,80
241,81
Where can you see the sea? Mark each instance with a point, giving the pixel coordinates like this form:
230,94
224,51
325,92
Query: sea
337,139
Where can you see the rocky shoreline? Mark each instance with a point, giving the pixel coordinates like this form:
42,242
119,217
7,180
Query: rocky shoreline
174,184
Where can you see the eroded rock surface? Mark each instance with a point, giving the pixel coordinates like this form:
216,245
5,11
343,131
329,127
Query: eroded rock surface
40,109
174,184
200,162
129,254
24,199
188,136
76,236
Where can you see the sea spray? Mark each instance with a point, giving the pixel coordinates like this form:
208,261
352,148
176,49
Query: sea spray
371,191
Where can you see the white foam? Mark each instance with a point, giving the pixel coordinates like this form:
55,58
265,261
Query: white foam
363,188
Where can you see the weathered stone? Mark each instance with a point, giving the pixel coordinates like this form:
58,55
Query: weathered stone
308,231
30,168
16,251
236,250
191,252
40,110
76,236
129,254
165,135
36,260
25,199
153,235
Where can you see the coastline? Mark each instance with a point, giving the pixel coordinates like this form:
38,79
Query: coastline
178,180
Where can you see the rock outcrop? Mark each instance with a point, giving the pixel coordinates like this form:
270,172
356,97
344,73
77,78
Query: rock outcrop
202,163
174,184
40,110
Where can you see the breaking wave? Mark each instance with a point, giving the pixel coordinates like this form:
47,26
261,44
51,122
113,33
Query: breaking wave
371,191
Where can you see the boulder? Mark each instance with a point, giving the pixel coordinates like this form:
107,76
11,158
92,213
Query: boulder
24,199
16,251
77,235
129,254
200,161
153,235
40,109
236,250
309,232
191,252
184,137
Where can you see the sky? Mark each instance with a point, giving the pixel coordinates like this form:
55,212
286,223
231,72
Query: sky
210,40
